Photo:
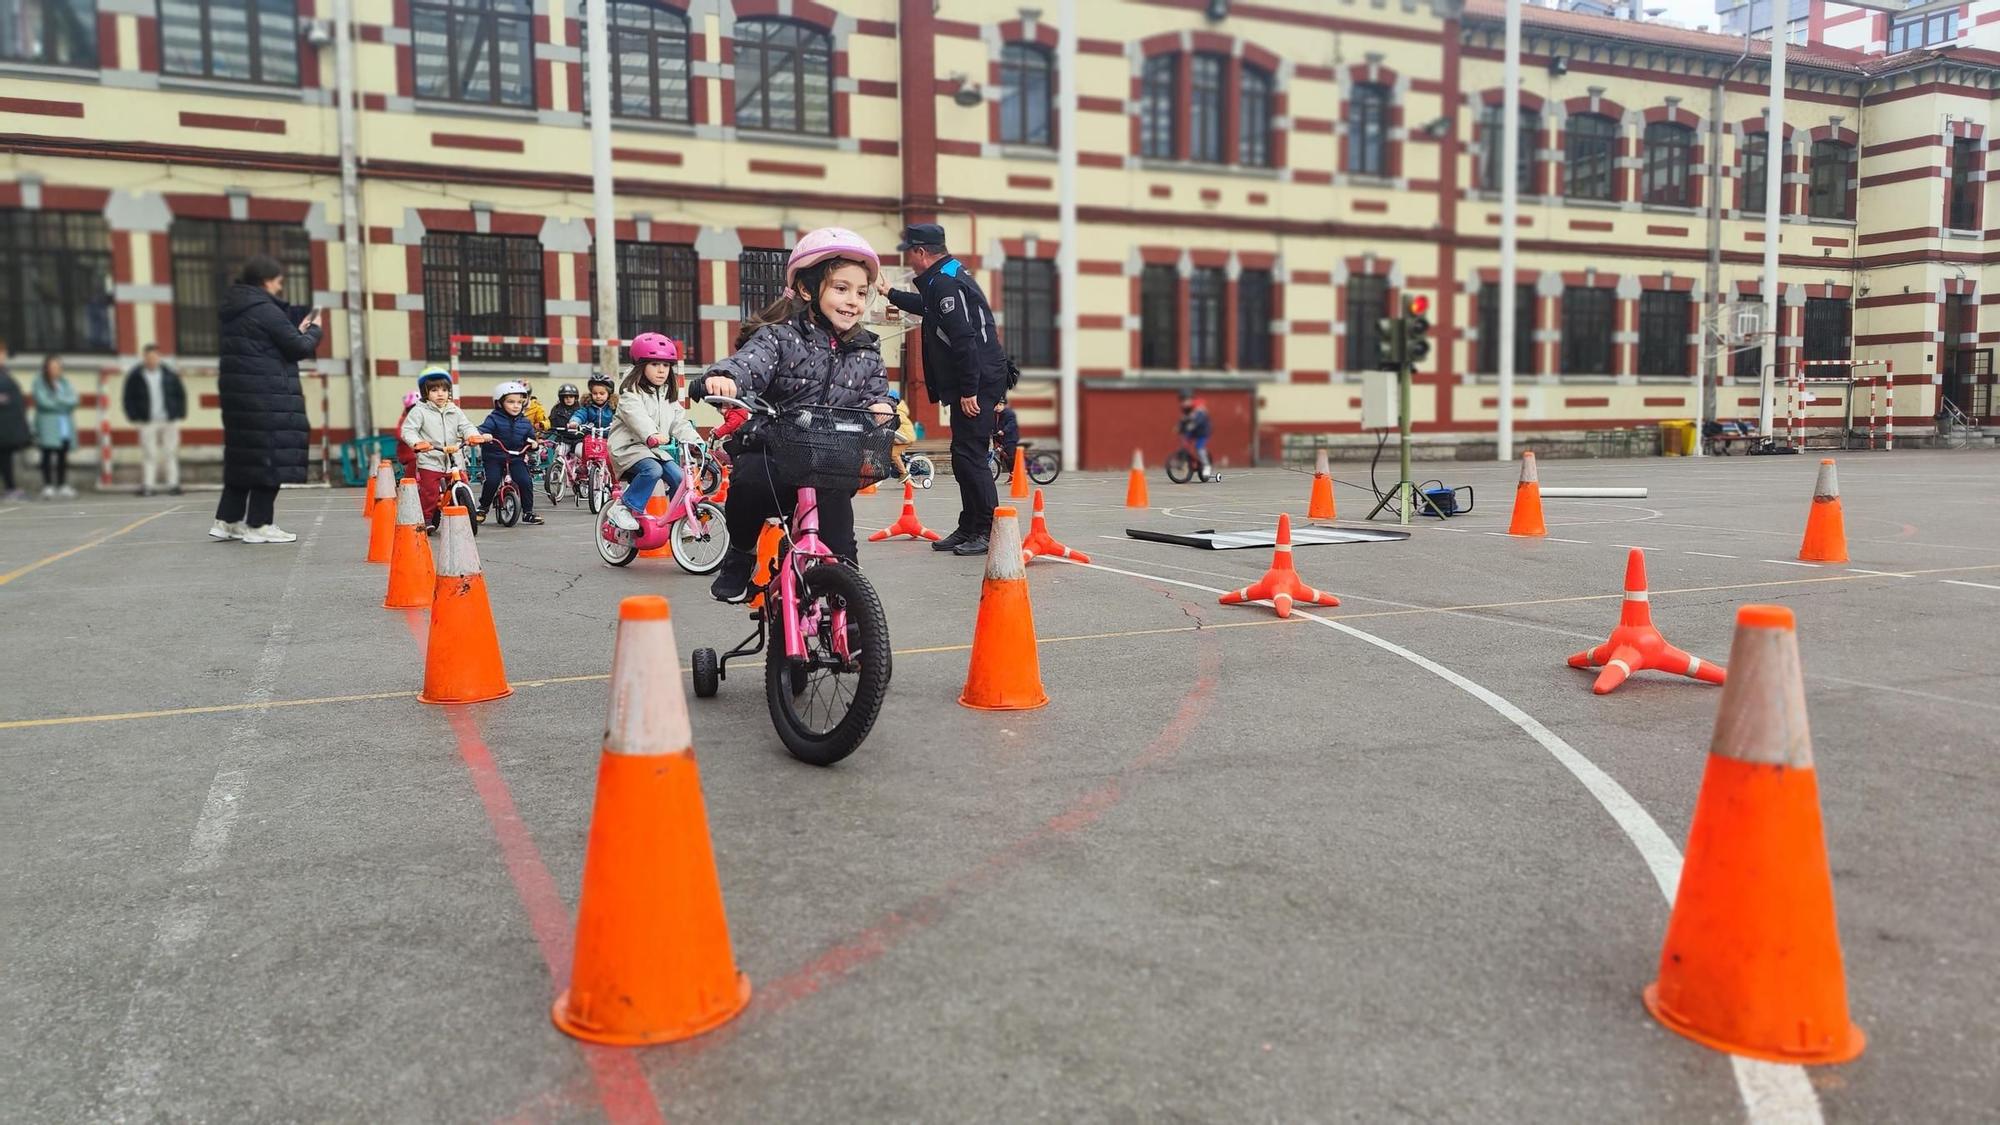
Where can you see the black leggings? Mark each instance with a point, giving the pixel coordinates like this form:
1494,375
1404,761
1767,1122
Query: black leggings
251,507
7,470
753,499
55,466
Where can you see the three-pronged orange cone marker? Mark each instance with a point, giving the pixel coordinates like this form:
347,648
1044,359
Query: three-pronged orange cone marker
1751,963
907,523
1826,529
382,517
412,578
1040,542
462,659
1135,485
1320,506
1528,501
1017,489
1006,670
1280,585
656,506
1635,645
653,962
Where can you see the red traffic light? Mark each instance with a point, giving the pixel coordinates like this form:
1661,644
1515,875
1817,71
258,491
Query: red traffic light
1419,305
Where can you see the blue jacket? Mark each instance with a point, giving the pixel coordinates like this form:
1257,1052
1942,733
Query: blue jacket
512,431
590,414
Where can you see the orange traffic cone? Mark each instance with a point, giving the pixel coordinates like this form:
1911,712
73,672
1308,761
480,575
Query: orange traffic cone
1826,530
412,578
1320,505
382,518
870,490
1528,501
1006,670
1280,585
907,523
656,507
1018,488
462,660
722,490
1040,542
1751,963
653,962
368,490
767,558
1635,645
1135,485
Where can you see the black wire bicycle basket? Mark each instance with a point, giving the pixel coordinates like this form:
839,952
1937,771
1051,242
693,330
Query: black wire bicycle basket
829,448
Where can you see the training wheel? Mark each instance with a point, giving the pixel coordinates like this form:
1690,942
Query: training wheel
706,677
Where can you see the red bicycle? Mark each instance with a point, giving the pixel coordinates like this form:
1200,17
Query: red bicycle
583,471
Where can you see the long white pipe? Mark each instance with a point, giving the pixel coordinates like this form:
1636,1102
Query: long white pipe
1774,182
1066,258
598,73
1510,208
350,218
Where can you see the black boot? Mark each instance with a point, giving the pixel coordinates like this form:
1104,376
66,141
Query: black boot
732,581
950,541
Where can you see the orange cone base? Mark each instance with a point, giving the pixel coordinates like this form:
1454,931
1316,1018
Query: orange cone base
1320,506
1135,490
1527,518
1641,648
382,531
412,577
1006,670
1826,533
1040,544
1282,588
1847,1050
906,524
462,659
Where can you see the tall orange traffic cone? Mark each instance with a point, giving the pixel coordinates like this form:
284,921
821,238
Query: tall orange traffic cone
1018,488
1135,485
653,962
1320,505
382,518
1040,542
1006,670
462,660
907,523
1751,963
656,506
1528,501
722,490
368,489
1635,645
1826,529
767,558
412,578
1280,585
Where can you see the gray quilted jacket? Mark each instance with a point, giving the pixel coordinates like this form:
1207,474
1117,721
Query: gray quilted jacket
799,363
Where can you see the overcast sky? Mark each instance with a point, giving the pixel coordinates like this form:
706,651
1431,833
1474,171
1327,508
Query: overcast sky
1693,13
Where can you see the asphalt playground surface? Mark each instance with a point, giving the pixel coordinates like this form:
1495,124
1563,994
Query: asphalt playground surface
1395,864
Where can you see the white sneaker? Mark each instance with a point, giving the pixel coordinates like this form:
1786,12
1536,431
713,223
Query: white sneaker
66,492
623,519
269,533
48,492
223,532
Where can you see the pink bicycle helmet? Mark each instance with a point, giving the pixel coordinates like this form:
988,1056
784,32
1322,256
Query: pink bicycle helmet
411,399
649,346
831,242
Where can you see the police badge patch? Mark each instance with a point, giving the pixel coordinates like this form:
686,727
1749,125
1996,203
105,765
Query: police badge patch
948,304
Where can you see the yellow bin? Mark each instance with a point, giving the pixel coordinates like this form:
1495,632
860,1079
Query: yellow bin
1677,437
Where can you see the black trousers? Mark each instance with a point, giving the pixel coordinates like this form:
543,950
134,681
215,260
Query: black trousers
55,466
754,497
971,437
251,507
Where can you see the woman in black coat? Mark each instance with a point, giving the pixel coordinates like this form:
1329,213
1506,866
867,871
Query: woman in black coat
264,428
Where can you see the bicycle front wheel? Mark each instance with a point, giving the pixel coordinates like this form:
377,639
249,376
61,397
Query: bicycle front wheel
699,539
824,703
922,472
1044,468
508,506
600,488
1180,467
461,496
554,477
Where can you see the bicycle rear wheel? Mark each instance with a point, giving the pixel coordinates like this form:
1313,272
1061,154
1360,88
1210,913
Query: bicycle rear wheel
922,472
508,506
554,477
599,486
1044,468
699,539
1180,467
823,706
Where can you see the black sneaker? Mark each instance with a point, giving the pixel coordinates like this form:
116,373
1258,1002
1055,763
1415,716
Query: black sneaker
975,545
479,516
732,581
533,520
950,541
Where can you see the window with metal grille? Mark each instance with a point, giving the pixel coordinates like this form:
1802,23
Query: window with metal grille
1489,329
1206,103
478,51
1586,331
784,77
55,282
1663,333
207,255
1590,156
1253,320
1367,303
1831,161
1964,189
482,285
1027,83
1829,323
760,279
1754,156
1159,317
1206,289
649,62
1159,107
1493,149
240,40
57,32
1748,365
1253,116
1669,164
1368,131
658,291
1028,299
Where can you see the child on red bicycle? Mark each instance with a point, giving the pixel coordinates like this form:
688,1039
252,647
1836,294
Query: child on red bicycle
650,426
431,424
510,429
807,348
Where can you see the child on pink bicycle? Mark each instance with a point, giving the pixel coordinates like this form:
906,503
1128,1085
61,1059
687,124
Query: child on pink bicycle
807,348
650,426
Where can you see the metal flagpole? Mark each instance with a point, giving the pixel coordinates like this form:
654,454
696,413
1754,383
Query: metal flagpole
605,244
1774,181
1510,209
1066,257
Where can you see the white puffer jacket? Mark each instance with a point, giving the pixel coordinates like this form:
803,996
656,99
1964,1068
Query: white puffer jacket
642,412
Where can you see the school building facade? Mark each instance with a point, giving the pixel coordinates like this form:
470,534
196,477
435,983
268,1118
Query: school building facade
1258,183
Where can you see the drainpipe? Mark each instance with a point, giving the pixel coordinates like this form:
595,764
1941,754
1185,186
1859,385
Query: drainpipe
350,217
1774,185
1711,361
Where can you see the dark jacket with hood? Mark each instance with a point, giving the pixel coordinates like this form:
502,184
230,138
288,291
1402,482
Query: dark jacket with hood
139,404
514,431
14,432
264,427
962,353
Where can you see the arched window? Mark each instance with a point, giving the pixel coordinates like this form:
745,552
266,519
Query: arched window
649,61
1207,97
1590,156
1831,161
784,77
1253,116
1493,147
1669,162
1026,85
1368,129
1159,109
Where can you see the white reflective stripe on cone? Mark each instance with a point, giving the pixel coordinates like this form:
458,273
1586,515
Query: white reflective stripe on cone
647,714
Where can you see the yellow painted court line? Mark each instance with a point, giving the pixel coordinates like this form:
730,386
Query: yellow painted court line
61,555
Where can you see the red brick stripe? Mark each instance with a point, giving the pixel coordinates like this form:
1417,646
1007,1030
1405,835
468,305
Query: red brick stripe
788,168
193,120
647,156
41,108
482,144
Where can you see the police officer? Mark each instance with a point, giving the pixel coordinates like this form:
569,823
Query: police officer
964,366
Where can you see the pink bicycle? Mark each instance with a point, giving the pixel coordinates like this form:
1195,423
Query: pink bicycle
692,525
827,670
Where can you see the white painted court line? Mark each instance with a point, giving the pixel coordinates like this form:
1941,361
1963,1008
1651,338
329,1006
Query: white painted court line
1772,1093
1974,585
1636,546
1792,562
1878,573
1583,542
1711,555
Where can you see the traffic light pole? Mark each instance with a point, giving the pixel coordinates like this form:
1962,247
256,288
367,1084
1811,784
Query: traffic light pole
1404,342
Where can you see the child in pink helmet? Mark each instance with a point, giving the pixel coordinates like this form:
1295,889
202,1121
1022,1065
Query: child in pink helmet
649,427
